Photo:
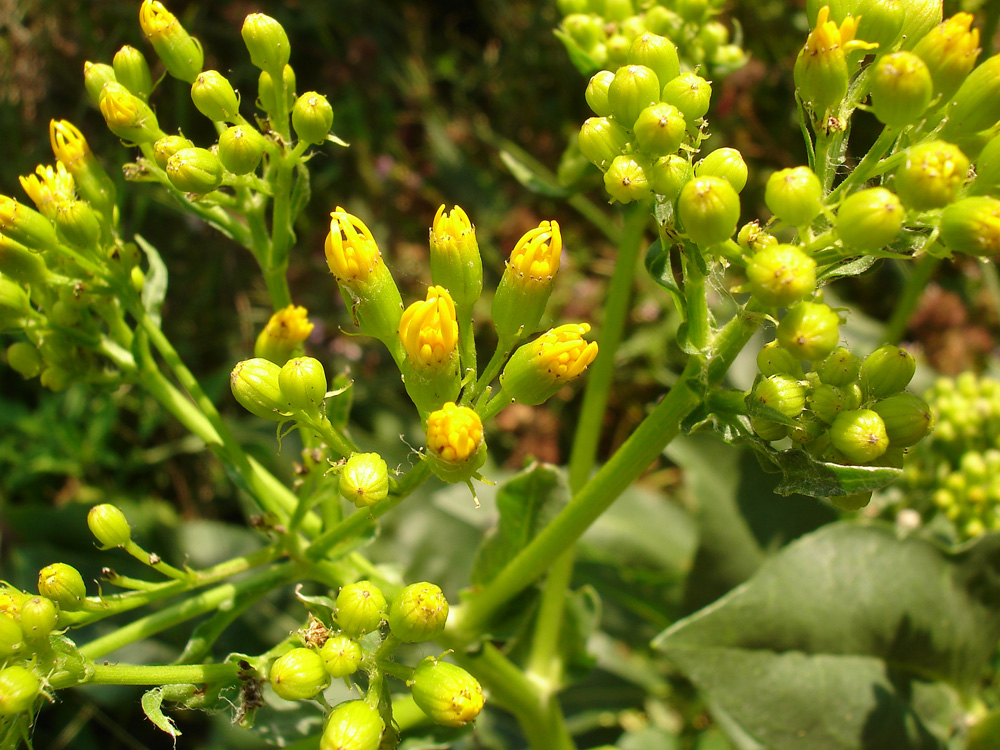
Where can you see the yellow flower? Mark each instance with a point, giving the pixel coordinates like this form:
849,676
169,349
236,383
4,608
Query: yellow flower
68,143
429,330
283,335
119,107
48,186
351,251
527,282
455,260
155,19
454,433
449,230
821,71
535,258
539,369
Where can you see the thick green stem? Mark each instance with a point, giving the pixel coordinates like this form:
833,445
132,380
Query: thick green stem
868,167
696,298
175,674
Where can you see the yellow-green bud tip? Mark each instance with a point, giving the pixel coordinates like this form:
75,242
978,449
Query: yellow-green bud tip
284,334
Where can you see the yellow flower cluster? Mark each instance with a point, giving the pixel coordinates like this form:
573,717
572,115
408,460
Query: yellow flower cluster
429,330
454,433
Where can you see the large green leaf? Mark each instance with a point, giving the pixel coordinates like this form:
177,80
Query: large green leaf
850,638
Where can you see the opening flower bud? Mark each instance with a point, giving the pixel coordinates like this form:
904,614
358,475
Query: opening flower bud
353,725
299,674
128,116
753,239
166,147
870,219
428,333
860,435
267,43
418,613
341,655
527,281
949,50
601,140
180,52
456,263
726,163
908,419
633,89
213,95
78,224
709,208
254,383
932,175
312,117
361,608
283,336
886,371
132,71
241,148
657,53
840,368
810,330
972,226
690,93
38,618
597,93
537,371
794,195
446,693
660,129
95,75
364,480
303,385
63,584
109,526
626,180
456,449
18,689
901,89
781,275
821,71
194,170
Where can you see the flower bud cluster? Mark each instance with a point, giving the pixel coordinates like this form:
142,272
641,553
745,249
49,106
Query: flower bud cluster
26,622
599,33
841,409
953,478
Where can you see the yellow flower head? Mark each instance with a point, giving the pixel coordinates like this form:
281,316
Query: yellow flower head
120,107
562,354
49,186
454,433
829,39
429,330
451,232
284,334
155,19
535,258
351,251
68,143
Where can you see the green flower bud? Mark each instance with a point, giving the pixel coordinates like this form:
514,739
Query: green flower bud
78,224
857,501
667,175
109,526
446,693
312,117
886,371
881,22
908,419
597,93
711,36
132,71
266,94
18,689
22,264
660,129
768,430
341,655
361,608
657,53
618,11
166,147
783,393
972,226
773,360
932,175
241,148
364,479
254,383
794,195
11,637
920,17
63,584
568,7
267,43
781,275
690,93
353,725
664,21
95,75
25,225
586,29
840,368
601,140
456,263
901,89
38,618
987,169
128,116
299,674
860,435
181,53
194,170
726,163
821,72
826,402
213,95
810,330
24,359
418,613
302,382
870,219
626,180
709,207
633,89
752,239
950,50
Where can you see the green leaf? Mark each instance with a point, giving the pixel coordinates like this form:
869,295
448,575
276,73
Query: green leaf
849,638
154,290
526,503
658,265
853,267
322,607
533,179
804,475
151,701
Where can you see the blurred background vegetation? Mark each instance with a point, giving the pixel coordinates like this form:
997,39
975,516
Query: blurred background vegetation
424,91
